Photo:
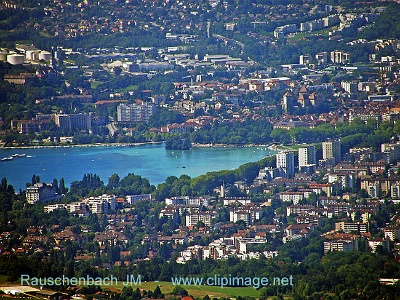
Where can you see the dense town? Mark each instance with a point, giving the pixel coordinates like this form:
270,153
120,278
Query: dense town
304,205
305,90
316,82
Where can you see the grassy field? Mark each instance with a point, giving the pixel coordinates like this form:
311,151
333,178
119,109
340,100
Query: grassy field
295,147
199,290
196,291
95,84
130,88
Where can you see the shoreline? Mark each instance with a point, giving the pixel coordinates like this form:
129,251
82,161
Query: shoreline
95,164
269,146
83,145
230,145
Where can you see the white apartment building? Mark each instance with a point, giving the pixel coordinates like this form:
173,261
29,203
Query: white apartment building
101,204
391,232
40,191
300,209
192,218
73,121
293,197
352,227
285,162
341,245
248,215
135,112
307,156
132,199
340,57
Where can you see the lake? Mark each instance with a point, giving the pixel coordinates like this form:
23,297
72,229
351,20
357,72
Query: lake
151,161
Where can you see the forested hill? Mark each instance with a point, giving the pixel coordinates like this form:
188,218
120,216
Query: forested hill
386,26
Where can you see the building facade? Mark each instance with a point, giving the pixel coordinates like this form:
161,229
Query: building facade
307,156
135,112
331,150
204,216
285,162
40,191
73,121
341,245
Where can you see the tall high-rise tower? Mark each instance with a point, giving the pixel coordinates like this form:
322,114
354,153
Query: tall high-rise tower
285,162
307,156
331,150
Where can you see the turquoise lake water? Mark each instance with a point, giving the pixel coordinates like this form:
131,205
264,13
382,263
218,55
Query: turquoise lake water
152,161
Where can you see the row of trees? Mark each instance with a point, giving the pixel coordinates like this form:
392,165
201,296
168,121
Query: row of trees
91,184
205,184
356,133
386,26
248,132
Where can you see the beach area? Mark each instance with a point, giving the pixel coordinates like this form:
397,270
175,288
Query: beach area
270,146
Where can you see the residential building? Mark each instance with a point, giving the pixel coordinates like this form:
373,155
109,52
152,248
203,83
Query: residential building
281,31
299,209
268,173
374,118
247,214
307,219
188,201
392,232
341,179
340,57
395,191
31,126
285,162
132,199
350,87
307,157
298,230
392,151
331,20
322,58
312,25
318,188
305,59
40,191
135,112
52,207
110,238
341,245
243,243
332,150
19,79
101,204
176,200
293,197
352,227
73,98
375,185
237,201
170,212
192,218
374,243
73,121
